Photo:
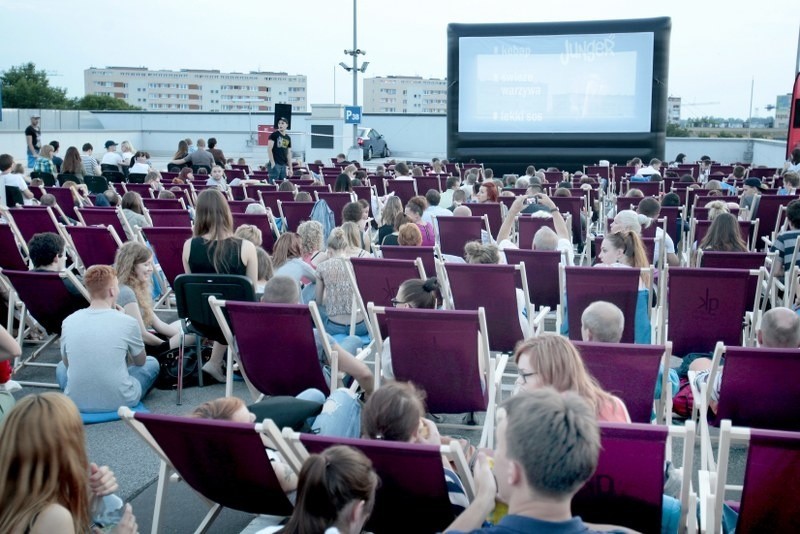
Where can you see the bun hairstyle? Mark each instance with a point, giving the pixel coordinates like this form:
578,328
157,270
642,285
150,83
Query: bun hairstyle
477,252
419,293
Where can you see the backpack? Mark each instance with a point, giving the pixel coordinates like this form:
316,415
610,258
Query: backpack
323,214
683,400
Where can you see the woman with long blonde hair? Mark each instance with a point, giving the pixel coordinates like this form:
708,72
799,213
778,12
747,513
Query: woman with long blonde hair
134,266
552,360
46,481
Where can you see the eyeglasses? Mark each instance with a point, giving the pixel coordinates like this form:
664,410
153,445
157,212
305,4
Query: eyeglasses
524,377
395,302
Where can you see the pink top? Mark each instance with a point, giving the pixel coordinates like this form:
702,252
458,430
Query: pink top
614,413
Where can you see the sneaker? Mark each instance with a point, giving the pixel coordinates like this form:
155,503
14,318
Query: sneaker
214,371
11,386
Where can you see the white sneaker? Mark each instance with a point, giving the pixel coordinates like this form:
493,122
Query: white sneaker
215,371
11,386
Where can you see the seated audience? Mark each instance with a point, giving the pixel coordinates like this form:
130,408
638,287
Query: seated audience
414,209
602,322
545,238
335,292
785,241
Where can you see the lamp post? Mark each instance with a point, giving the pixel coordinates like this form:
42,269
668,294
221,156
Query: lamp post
355,52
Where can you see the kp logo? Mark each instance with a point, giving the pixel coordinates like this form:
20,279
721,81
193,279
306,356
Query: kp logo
708,303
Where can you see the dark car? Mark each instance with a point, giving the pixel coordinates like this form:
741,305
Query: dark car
372,143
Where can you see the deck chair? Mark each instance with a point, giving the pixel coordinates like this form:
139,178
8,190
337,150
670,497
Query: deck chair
269,196
757,389
411,478
455,232
288,364
493,212
494,288
224,462
102,217
264,222
426,254
705,306
170,218
167,245
769,498
747,230
446,353
627,487
239,206
64,200
580,286
527,228
630,371
426,183
192,292
94,245
46,298
144,190
30,221
336,202
767,212
403,189
377,281
293,213
237,192
13,250
153,204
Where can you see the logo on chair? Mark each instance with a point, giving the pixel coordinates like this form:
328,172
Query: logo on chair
708,303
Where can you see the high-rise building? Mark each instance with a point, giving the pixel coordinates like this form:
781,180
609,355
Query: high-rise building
405,94
674,109
198,90
782,105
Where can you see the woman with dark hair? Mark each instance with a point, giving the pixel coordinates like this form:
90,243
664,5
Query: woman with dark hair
73,164
724,235
182,152
389,213
343,184
133,211
214,249
185,175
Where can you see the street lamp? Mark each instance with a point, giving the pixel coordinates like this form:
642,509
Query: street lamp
355,52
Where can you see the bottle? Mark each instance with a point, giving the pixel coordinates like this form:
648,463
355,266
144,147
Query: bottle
107,512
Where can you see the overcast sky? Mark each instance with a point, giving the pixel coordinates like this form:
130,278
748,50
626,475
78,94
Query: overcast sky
716,47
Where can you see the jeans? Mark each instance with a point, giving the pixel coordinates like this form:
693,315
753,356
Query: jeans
344,329
31,158
277,173
340,417
351,344
145,374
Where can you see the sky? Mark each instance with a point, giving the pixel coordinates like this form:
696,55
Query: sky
717,47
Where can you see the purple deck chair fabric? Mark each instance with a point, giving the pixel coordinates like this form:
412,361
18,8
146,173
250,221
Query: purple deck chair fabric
701,229
163,203
628,485
167,244
10,253
64,200
311,188
260,221
573,206
426,254
288,364
427,345
294,213
736,260
95,244
223,461
269,196
672,214
379,279
585,285
626,370
767,212
104,217
336,202
492,287
541,268
403,189
33,220
706,306
493,210
47,298
426,183
363,192
238,206
171,218
771,489
237,191
411,479
144,190
759,388
455,232
528,226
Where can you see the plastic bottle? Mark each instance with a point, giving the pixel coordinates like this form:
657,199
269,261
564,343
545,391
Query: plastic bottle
107,512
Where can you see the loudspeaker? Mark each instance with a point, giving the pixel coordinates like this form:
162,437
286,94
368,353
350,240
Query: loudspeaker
793,137
283,111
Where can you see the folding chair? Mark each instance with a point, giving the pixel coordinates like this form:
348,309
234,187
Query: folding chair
237,192
627,487
493,212
403,189
455,232
264,222
269,196
64,200
43,295
527,228
103,217
13,250
698,230
239,206
336,202
704,306
289,364
167,245
426,183
224,462
541,269
769,496
94,245
153,204
46,177
767,211
170,218
411,477
446,353
144,190
629,371
30,221
293,213
378,280
136,177
580,286
426,254
492,287
192,292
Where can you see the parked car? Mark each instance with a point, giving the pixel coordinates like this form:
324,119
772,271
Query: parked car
372,143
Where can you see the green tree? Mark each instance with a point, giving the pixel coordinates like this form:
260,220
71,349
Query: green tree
25,87
675,130
98,102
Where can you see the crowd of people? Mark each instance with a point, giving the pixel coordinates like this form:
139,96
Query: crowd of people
547,436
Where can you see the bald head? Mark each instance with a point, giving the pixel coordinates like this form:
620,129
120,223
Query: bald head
462,211
780,329
281,290
602,322
545,239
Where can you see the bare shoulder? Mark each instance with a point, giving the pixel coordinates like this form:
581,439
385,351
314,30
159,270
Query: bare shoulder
54,518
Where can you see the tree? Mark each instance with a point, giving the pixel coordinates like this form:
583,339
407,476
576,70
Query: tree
26,88
97,102
675,130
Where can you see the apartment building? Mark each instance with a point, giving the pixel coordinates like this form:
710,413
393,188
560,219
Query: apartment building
198,90
405,94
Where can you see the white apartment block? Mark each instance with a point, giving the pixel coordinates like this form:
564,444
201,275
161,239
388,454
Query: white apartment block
198,90
405,94
674,109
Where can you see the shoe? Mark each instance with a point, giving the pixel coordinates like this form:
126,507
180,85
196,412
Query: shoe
214,371
11,386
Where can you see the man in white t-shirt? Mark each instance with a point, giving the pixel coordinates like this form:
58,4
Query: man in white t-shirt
9,179
545,238
434,209
112,157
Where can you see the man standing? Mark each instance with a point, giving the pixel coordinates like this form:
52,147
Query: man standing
279,150
33,139
96,343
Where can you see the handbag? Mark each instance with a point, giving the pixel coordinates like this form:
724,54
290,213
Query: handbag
168,372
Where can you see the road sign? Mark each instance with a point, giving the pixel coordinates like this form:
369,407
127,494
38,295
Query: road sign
352,114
